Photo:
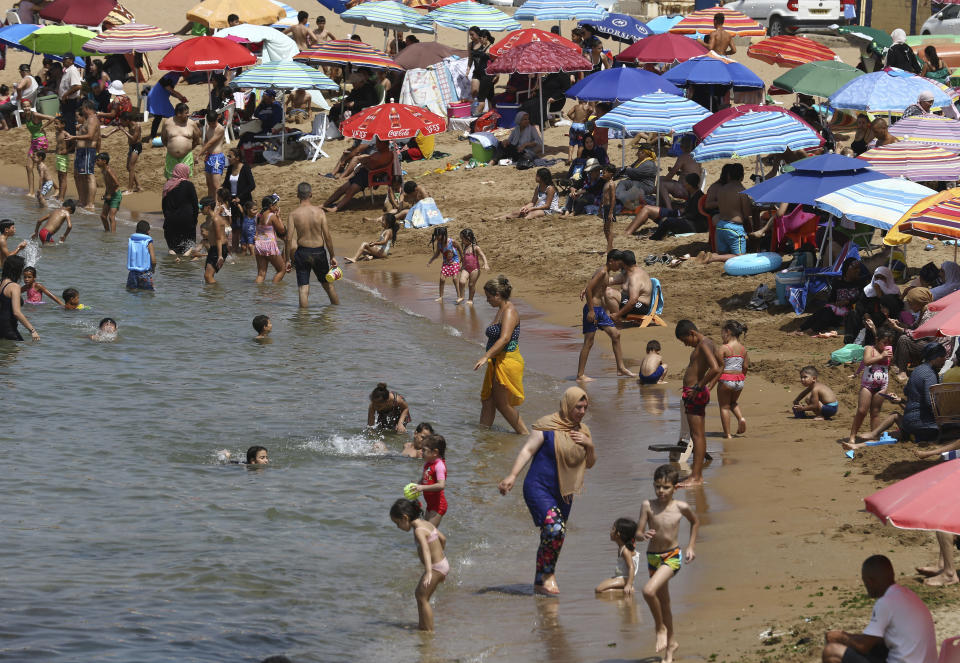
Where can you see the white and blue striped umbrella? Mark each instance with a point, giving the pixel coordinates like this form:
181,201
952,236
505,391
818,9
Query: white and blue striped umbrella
662,24
658,111
753,133
879,204
889,90
387,15
284,76
462,15
560,10
289,16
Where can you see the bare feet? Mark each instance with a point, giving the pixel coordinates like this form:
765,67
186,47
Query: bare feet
690,482
349,261
929,571
742,428
941,580
662,640
438,299
549,586
703,257
584,378
671,650
459,300
624,373
470,302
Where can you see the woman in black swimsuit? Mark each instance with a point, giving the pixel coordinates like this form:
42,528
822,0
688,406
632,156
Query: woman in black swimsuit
863,136
10,302
388,409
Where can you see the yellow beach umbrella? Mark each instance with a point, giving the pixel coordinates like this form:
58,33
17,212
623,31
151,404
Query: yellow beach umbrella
213,13
894,237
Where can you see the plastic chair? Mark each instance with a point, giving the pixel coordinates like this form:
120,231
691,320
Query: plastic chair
229,110
656,308
381,177
798,226
950,650
945,399
702,207
12,17
314,139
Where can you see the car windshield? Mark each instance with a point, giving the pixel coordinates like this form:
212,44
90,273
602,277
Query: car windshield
950,11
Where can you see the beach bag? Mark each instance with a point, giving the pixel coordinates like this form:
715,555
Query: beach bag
847,354
423,214
486,122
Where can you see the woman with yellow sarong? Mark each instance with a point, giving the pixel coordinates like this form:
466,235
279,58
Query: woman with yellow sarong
502,389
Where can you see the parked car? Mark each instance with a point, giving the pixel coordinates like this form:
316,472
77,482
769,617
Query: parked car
788,16
944,22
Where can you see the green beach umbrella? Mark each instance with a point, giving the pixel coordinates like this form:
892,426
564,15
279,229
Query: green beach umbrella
818,79
876,40
58,39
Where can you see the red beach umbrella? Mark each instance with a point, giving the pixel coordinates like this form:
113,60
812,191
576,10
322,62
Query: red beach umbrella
539,57
527,36
393,122
927,500
78,12
789,51
666,48
206,54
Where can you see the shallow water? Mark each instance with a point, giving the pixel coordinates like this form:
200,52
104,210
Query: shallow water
126,538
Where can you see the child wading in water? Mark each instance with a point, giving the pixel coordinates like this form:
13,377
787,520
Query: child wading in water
660,523
407,516
735,362
821,400
388,409
471,266
415,449
623,533
34,291
451,260
873,383
434,478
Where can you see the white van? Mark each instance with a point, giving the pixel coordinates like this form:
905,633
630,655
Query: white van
788,16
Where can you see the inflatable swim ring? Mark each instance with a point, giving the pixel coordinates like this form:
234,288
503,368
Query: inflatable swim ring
753,263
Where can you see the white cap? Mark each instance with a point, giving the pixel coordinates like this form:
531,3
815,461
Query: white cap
116,88
926,95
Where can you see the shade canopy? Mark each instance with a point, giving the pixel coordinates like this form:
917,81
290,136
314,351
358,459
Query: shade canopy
214,13
284,76
873,39
276,46
920,163
386,15
620,27
425,53
206,54
12,34
132,38
927,129
662,24
525,36
78,12
927,500
818,79
749,130
392,122
463,15
559,10
895,237
538,57
813,178
58,39
789,51
657,111
878,204
620,84
665,48
712,69
736,23
939,221
949,301
890,90
343,52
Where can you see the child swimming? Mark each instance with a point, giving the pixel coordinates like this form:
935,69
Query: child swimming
451,251
256,455
733,355
34,291
71,300
263,327
387,409
821,400
415,449
106,331
406,515
623,533
434,478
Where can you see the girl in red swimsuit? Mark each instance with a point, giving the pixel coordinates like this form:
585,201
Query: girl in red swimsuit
434,478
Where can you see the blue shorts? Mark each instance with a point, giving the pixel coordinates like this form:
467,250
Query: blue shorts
653,378
84,160
828,410
215,164
249,232
602,319
731,238
577,131
139,280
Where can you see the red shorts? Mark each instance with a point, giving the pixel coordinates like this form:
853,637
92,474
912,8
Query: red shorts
45,236
436,502
695,400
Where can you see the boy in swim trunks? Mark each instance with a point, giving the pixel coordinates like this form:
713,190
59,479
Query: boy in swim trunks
43,176
216,236
111,194
659,523
653,370
54,220
578,116
63,157
821,400
263,327
702,373
595,316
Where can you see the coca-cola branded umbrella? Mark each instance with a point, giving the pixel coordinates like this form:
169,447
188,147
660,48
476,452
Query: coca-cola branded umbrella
392,122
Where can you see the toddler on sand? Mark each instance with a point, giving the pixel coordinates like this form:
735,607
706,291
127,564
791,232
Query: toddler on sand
652,369
623,533
821,400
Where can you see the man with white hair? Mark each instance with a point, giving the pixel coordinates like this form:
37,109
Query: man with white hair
922,107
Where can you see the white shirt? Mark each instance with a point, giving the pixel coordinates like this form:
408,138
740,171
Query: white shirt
71,77
902,619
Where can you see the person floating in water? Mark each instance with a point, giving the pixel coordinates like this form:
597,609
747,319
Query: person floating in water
263,327
106,331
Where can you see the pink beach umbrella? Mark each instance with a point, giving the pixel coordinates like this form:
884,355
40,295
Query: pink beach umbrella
927,500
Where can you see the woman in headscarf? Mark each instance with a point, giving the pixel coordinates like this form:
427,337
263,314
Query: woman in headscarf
909,350
900,55
879,302
950,280
180,210
525,141
562,450
845,294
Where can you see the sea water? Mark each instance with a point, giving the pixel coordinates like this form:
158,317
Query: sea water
126,537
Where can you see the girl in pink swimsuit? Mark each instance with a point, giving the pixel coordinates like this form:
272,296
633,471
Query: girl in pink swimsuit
407,515
733,356
34,291
267,252
470,268
451,252
873,383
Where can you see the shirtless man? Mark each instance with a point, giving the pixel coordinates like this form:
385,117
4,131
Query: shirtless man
672,184
301,33
85,160
734,206
321,33
595,316
298,102
308,242
702,373
635,298
7,230
54,220
179,134
112,195
720,41
214,160
359,180
216,236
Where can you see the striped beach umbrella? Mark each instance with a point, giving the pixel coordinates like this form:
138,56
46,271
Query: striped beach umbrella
285,76
387,15
462,15
344,52
895,237
917,162
926,129
525,36
750,130
941,221
132,38
560,10
657,111
734,22
818,79
889,90
879,204
789,51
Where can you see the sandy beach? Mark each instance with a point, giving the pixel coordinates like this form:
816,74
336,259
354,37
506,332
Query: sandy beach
785,531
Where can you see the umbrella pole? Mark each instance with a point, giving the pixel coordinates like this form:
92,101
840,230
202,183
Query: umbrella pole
283,128
623,151
656,190
209,74
543,112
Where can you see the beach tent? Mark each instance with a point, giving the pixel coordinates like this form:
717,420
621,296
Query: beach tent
214,13
277,47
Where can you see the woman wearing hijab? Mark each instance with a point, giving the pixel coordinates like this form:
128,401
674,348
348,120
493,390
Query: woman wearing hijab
561,449
950,280
180,210
525,141
844,296
909,350
902,56
879,302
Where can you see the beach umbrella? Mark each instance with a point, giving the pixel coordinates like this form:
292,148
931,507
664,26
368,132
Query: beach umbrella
78,12
58,39
734,22
276,46
818,79
889,90
944,323
662,24
750,130
939,221
789,51
862,36
343,52
949,301
879,204
392,122
386,15
927,129
920,163
289,18
206,54
12,34
926,500
462,15
132,38
620,84
336,6
620,27
895,237
526,36
712,69
559,10
813,178
667,48
426,53
214,13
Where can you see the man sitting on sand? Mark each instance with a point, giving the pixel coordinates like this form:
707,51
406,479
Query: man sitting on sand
900,630
634,299
734,206
358,182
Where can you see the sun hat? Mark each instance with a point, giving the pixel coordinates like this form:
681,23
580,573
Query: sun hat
116,88
591,165
926,95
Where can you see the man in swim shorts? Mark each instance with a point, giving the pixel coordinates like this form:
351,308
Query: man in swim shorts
596,317
217,236
85,159
211,154
701,374
308,242
54,220
634,299
179,134
734,208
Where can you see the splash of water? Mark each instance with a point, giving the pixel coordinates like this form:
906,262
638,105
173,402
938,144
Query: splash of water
31,253
347,445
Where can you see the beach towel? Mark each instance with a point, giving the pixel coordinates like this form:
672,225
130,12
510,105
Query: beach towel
423,214
420,89
508,368
485,138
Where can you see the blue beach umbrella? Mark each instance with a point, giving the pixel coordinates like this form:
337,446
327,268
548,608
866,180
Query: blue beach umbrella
662,24
386,15
620,84
712,70
813,178
620,27
879,204
753,133
336,6
12,34
559,10
462,15
889,90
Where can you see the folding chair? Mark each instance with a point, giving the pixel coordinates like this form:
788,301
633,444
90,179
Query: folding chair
817,279
12,17
656,308
945,399
314,139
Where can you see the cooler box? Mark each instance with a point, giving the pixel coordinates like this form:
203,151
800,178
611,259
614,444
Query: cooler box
787,278
48,104
460,109
481,154
508,115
